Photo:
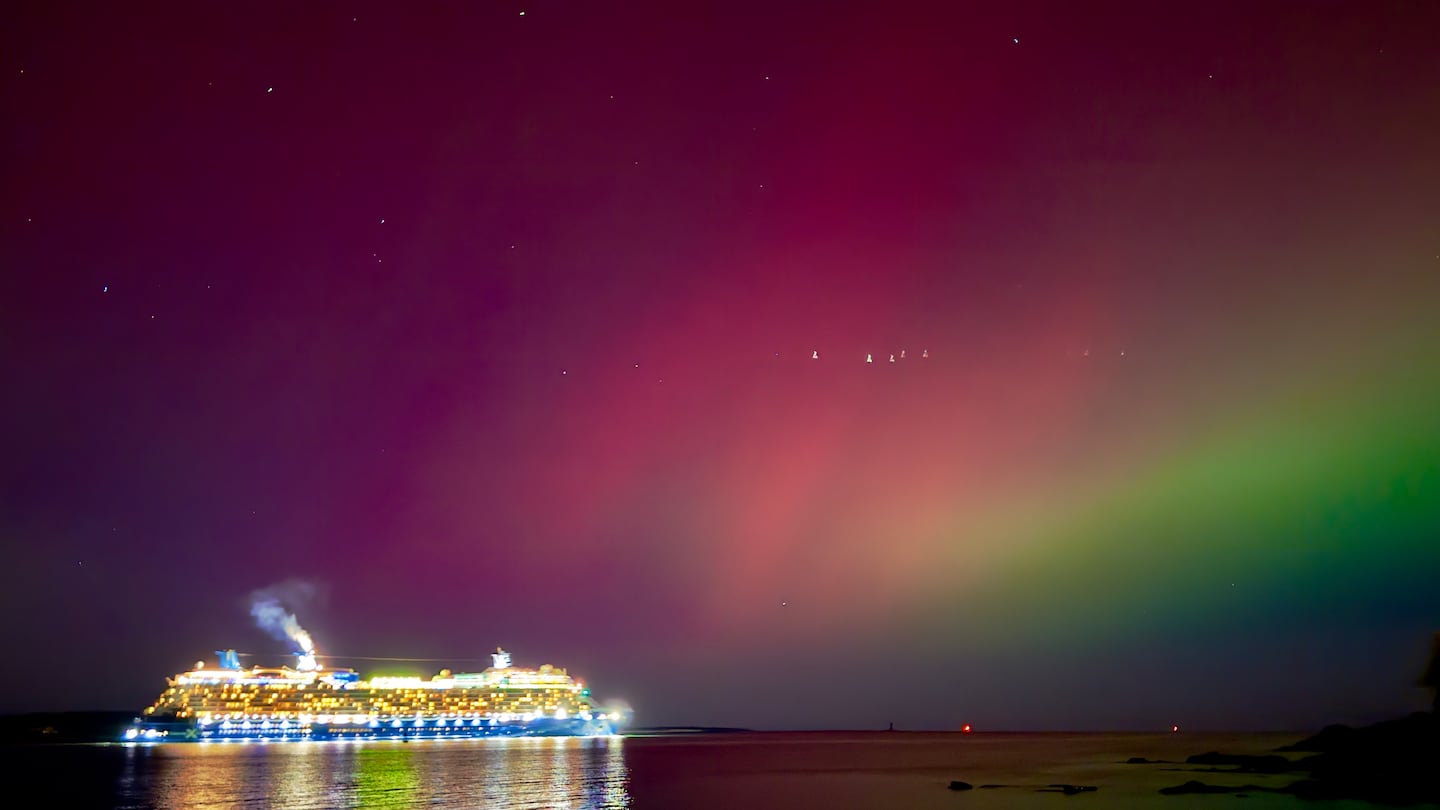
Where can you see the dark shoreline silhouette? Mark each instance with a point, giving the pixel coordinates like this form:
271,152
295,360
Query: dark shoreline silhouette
1393,762
63,727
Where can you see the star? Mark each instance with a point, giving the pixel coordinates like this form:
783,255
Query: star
1016,40
105,289
269,89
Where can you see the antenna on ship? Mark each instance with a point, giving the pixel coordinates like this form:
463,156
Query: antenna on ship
501,658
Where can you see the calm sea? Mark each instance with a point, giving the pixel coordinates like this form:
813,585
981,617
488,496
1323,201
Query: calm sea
783,771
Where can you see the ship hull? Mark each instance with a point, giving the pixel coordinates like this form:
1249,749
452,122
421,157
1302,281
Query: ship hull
409,728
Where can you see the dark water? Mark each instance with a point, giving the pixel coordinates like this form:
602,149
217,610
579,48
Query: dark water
747,771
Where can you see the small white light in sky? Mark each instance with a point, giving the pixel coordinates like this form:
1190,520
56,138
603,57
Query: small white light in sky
105,289
269,89
522,14
1016,40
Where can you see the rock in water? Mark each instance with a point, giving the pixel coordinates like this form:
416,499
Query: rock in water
1200,787
1071,790
958,785
1245,763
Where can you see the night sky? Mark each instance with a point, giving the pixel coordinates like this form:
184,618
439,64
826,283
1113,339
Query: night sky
546,326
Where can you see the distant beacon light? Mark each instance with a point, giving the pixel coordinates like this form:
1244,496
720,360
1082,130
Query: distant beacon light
1174,729
966,729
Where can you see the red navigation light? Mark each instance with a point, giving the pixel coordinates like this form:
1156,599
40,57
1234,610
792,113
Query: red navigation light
1174,729
965,729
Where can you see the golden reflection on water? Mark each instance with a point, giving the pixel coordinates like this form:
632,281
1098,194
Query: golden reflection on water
554,772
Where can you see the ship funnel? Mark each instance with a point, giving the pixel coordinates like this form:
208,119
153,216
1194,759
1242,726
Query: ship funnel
305,661
229,659
501,658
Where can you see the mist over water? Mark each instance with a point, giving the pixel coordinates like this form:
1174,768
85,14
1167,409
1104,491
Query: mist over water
784,771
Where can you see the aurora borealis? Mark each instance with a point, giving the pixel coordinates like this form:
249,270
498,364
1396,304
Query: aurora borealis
503,328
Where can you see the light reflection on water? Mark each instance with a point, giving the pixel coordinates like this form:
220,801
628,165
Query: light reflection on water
552,772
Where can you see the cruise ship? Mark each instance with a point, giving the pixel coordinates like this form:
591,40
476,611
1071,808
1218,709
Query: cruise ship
310,702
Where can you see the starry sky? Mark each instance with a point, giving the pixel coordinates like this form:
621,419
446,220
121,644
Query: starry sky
546,325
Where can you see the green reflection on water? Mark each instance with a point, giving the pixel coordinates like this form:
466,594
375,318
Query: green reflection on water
386,777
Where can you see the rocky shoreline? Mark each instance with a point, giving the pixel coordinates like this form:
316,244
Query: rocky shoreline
1396,762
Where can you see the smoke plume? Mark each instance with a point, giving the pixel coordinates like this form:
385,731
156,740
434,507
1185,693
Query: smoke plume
272,608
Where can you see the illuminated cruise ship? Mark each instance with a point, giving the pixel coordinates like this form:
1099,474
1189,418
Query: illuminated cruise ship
309,702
